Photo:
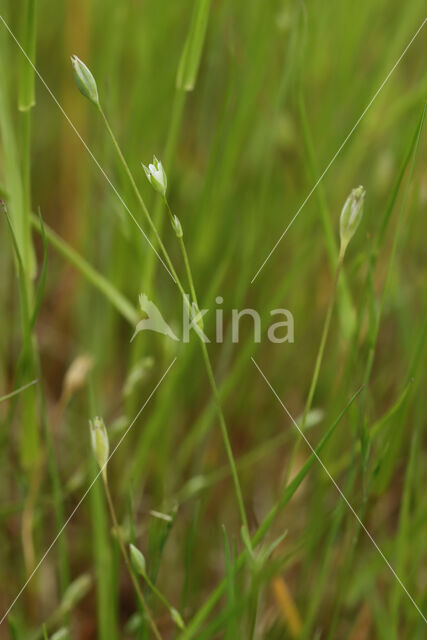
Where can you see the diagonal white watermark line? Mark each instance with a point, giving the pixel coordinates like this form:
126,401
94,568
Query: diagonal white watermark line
44,83
60,532
340,492
334,157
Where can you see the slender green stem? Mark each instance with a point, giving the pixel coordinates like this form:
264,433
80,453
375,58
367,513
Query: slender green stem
158,593
319,359
321,351
214,388
288,491
225,435
141,202
158,217
17,391
205,353
127,559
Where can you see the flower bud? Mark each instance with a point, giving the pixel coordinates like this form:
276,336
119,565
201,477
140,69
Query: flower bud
75,592
138,560
177,618
351,216
177,227
61,634
156,176
84,80
76,375
100,444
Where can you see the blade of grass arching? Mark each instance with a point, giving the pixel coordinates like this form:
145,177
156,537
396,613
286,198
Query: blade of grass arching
342,462
197,621
395,190
366,300
117,299
241,606
201,482
385,472
345,305
328,551
373,334
105,569
377,482
362,424
402,544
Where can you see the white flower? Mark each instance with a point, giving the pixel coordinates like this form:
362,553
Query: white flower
156,176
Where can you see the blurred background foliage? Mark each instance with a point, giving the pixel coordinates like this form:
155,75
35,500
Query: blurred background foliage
280,86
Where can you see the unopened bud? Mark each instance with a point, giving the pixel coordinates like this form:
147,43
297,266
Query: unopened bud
100,444
351,216
61,634
84,80
177,227
75,592
76,375
138,560
177,618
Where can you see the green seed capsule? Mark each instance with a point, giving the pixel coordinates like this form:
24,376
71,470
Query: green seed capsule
84,80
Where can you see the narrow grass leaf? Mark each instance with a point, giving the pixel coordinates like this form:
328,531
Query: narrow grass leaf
192,52
27,76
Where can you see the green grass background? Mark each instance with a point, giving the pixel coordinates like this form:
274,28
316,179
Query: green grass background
280,85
